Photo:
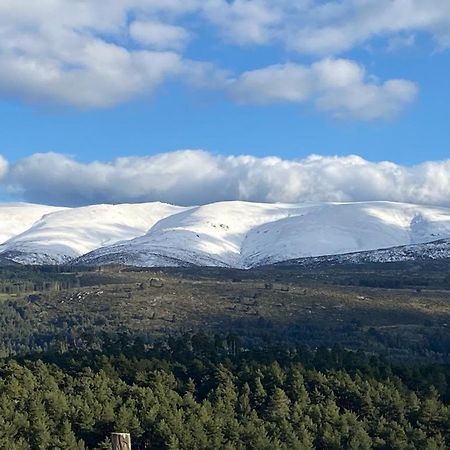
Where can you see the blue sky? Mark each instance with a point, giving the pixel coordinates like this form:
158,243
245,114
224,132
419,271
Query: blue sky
92,81
176,117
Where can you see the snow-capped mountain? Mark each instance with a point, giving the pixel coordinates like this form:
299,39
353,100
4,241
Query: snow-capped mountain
61,236
15,218
209,235
336,229
224,234
240,234
417,252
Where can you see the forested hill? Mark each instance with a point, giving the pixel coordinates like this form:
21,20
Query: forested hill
346,357
202,393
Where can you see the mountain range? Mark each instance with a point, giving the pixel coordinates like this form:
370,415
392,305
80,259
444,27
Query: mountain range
224,234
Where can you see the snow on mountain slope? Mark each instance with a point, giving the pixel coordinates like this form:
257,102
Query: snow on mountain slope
15,218
64,235
415,252
332,229
240,234
209,235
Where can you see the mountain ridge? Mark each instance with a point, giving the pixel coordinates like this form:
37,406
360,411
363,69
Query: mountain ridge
224,234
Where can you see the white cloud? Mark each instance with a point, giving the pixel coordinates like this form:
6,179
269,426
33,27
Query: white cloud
338,86
244,21
79,54
194,177
159,35
3,167
102,75
401,42
330,27
337,26
83,53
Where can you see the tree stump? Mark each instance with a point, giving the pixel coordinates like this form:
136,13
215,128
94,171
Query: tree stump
121,441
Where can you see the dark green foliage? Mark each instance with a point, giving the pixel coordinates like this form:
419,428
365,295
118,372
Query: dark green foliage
190,394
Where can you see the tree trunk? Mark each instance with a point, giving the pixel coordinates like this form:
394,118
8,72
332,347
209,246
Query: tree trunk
121,441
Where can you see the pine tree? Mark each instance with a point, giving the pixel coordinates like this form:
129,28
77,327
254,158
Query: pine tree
244,401
67,439
127,420
279,406
40,437
259,394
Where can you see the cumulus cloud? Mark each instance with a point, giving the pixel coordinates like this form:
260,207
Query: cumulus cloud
80,53
244,22
93,54
189,177
159,35
327,27
337,26
106,75
339,86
